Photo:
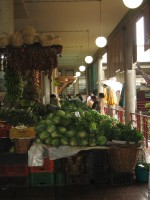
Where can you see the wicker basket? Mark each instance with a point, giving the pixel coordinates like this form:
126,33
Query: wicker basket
123,159
45,39
16,39
29,31
4,39
22,145
29,39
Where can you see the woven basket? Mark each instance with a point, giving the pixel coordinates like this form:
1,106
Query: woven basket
123,159
45,39
22,133
29,39
28,31
16,39
22,145
4,39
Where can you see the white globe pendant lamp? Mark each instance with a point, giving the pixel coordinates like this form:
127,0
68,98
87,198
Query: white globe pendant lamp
88,59
132,3
82,68
78,74
101,41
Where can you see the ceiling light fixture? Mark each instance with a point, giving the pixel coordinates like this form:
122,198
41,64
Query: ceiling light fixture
78,74
82,67
132,3
101,41
88,59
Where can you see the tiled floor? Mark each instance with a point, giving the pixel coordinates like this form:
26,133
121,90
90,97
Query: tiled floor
77,192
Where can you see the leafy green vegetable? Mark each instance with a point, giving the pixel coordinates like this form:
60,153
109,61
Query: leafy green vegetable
73,141
101,140
81,134
64,141
44,135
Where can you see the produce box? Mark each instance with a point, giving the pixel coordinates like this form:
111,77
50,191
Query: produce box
42,179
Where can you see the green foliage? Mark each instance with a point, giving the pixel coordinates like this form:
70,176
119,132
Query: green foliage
126,132
14,85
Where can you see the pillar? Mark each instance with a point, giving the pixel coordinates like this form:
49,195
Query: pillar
7,16
100,75
130,94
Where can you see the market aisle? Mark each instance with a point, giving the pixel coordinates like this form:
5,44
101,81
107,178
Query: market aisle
77,192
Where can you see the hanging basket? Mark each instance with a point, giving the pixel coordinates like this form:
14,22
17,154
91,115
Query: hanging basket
16,39
4,39
29,39
45,39
123,159
28,31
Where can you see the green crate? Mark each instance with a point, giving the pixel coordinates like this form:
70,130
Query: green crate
42,179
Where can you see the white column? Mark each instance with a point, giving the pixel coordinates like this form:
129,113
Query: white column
7,16
100,75
130,94
47,89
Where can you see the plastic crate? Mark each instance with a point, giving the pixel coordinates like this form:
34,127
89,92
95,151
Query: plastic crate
13,159
77,179
76,164
122,178
42,179
59,165
48,166
6,182
14,170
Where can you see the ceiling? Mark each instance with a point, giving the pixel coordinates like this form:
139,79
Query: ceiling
75,22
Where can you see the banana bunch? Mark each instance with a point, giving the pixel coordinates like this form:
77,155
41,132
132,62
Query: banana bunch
14,85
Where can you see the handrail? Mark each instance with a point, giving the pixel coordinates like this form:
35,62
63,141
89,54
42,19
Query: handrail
142,123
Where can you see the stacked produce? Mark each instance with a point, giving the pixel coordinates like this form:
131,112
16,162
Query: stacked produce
22,132
18,116
4,130
14,85
71,128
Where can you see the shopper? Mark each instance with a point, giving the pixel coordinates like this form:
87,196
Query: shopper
101,103
54,100
95,104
